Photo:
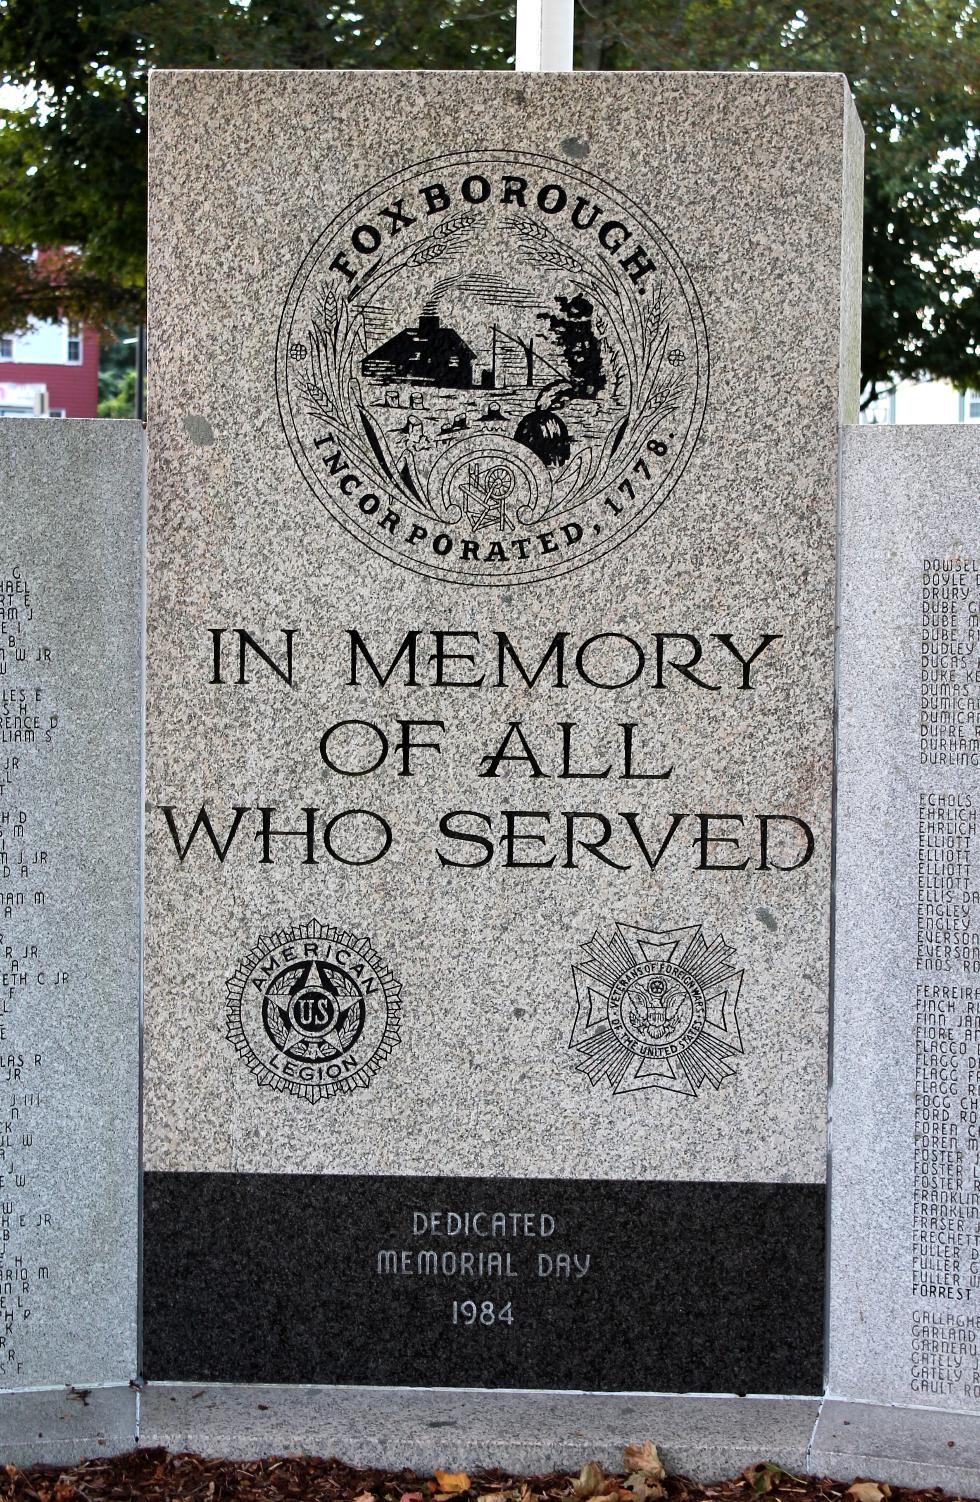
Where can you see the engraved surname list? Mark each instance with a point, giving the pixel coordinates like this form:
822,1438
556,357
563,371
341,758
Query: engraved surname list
945,1333
70,628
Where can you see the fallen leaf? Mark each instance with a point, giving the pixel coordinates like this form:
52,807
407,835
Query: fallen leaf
759,1478
641,1488
779,1474
868,1491
644,1458
590,1482
451,1483
364,1497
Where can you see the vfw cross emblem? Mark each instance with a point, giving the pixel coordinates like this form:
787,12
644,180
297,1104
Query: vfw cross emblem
656,1010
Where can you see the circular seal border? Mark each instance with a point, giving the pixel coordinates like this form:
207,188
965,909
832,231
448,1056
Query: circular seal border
265,945
692,1030
613,540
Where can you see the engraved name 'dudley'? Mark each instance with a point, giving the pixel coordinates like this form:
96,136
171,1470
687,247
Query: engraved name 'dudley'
526,750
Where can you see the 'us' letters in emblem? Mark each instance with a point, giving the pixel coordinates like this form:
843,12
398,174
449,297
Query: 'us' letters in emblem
313,1011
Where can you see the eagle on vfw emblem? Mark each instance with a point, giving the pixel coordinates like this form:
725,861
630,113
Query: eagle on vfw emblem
656,1010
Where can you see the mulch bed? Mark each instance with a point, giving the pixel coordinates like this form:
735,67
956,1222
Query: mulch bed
157,1476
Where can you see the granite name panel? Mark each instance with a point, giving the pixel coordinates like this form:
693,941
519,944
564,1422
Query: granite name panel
71,591
493,470
905,1241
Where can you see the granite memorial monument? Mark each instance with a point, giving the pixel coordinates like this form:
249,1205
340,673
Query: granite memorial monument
489,741
907,1029
493,573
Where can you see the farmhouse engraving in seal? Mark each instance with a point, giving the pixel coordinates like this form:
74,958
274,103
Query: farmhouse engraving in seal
545,396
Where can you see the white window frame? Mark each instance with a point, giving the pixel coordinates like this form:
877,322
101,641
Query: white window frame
74,338
6,346
971,399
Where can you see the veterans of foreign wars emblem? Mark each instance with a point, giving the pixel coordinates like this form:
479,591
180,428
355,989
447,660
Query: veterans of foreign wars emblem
313,1010
492,367
656,1010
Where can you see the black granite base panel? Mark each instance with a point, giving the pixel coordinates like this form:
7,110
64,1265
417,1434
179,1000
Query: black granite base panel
688,1287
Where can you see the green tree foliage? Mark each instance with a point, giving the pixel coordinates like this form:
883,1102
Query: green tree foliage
914,66
120,400
73,160
117,372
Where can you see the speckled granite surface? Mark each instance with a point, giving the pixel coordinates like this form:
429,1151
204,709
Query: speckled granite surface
71,598
737,186
905,1285
520,858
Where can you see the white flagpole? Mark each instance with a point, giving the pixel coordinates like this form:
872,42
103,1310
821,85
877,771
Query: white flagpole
545,29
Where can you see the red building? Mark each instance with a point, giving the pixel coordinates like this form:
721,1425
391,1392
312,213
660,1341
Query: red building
51,370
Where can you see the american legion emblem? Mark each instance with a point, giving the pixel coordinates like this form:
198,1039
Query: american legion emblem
492,367
313,1011
656,1010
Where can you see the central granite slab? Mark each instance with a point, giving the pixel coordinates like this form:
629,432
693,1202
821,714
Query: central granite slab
493,464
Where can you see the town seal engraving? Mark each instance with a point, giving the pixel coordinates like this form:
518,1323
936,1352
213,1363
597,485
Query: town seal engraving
313,1011
492,367
656,1010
